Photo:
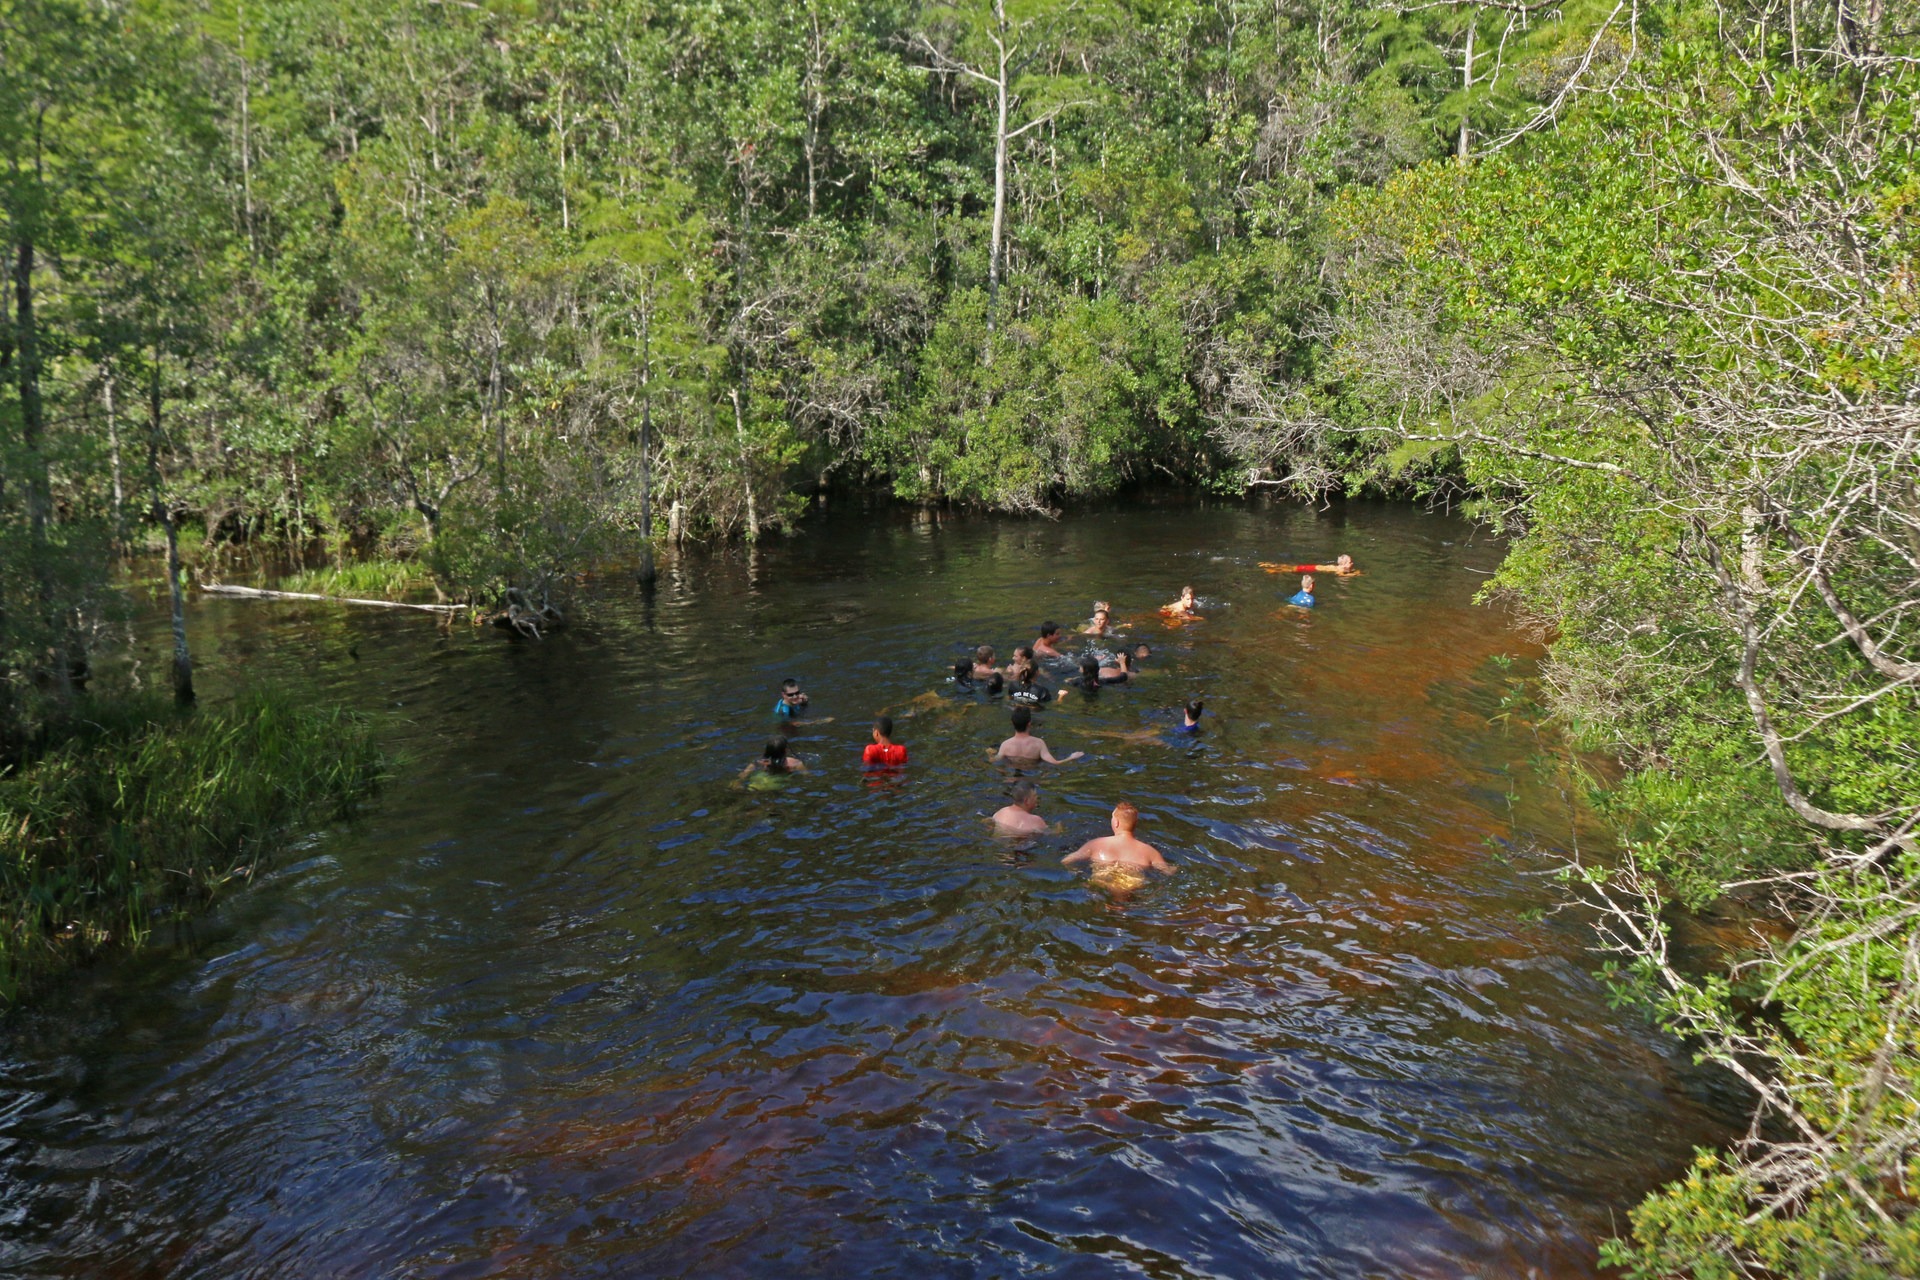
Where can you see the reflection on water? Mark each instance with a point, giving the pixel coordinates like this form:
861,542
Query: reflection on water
571,1002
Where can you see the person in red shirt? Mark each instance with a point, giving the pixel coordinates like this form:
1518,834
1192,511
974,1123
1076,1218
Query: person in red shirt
883,750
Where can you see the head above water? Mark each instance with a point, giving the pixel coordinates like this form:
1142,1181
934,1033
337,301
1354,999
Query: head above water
1022,717
883,728
789,687
1345,563
1141,652
1124,818
1026,794
984,655
996,682
1194,709
775,755
1186,595
1048,630
963,671
1090,667
1306,582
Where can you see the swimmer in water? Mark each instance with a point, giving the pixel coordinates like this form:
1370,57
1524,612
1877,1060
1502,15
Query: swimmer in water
1088,681
1342,566
1190,717
1121,849
1044,646
1183,607
1119,671
1102,623
775,760
983,662
996,683
1021,817
1023,747
1026,687
1303,598
1022,657
883,750
792,701
963,674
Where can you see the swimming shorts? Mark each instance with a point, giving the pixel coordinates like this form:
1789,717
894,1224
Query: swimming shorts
1119,875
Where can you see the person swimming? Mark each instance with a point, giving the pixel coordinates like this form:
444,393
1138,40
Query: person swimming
1121,850
883,750
1102,623
1190,717
792,701
1026,687
996,683
1022,656
1044,647
1342,566
774,760
983,661
1023,747
1088,681
1304,596
963,674
1183,607
1021,816
1118,671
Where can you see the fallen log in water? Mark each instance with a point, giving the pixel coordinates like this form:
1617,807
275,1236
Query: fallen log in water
257,593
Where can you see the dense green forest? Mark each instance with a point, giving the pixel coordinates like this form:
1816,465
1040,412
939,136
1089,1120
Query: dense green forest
510,289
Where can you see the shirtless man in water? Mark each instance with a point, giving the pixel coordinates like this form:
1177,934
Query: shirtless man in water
1121,849
1023,747
1184,607
1044,646
1021,818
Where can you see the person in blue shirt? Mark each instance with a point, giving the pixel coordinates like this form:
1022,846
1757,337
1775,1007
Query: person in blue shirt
1190,719
792,701
1304,596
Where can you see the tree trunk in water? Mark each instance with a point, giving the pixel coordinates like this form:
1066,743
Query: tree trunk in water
163,512
33,429
746,471
646,574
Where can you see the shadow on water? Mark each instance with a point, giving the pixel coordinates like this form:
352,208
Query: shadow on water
571,1002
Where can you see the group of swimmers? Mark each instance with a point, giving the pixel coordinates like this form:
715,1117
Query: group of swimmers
1118,857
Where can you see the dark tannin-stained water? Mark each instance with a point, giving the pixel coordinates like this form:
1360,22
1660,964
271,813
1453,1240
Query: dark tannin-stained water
571,1001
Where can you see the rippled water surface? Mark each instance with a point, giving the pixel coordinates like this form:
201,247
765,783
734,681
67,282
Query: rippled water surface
571,1002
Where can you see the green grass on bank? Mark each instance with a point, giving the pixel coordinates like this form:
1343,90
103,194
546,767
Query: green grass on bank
144,811
369,579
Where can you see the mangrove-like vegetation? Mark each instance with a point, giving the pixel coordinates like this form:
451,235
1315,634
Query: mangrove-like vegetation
489,293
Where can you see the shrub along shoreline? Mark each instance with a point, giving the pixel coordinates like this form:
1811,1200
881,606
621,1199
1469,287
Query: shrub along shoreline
140,811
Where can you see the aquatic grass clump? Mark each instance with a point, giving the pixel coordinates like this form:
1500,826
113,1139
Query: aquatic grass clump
373,579
143,811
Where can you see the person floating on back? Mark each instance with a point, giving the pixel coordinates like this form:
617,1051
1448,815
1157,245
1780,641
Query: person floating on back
792,701
1304,596
1184,607
1044,647
1342,566
1120,850
774,760
883,750
1118,671
1023,747
1021,817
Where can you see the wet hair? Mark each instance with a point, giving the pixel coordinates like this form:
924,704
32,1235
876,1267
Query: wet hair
1023,672
884,724
775,755
1194,709
1049,629
996,682
1090,668
1023,653
963,672
1022,790
1125,815
789,685
1022,717
1141,652
983,655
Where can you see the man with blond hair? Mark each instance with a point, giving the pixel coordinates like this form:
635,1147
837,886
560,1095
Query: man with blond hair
1121,849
